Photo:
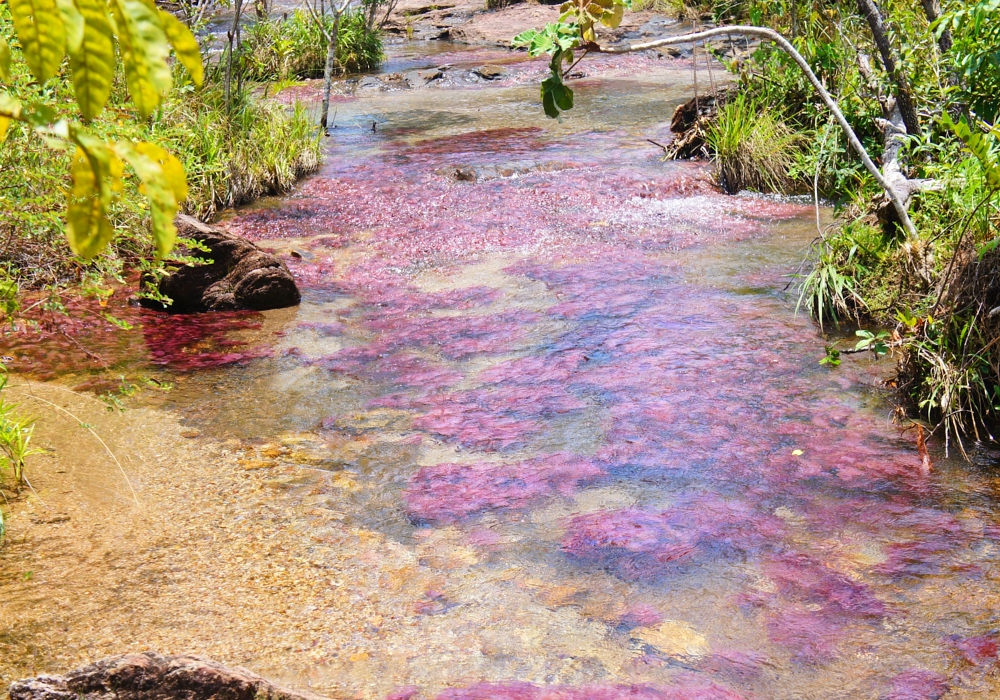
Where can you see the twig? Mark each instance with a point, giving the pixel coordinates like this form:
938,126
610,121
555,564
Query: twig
666,152
583,56
83,424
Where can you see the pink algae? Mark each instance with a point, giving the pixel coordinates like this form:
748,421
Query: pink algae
980,650
692,690
81,339
448,493
918,684
641,545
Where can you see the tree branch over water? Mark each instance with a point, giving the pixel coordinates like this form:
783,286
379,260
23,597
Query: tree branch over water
899,200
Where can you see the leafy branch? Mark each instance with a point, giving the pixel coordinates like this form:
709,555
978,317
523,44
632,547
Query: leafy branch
87,31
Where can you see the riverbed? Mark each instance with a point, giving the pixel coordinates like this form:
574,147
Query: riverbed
546,424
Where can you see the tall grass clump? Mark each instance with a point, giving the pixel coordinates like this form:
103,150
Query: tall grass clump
16,431
294,47
754,150
235,154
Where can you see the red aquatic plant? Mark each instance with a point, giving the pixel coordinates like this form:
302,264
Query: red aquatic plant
450,492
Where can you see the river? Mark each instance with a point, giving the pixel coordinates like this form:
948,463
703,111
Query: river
546,425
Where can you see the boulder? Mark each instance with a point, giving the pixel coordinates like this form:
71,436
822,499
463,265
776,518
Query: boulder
240,276
150,676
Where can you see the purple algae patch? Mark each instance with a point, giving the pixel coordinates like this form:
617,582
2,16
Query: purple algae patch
918,684
980,650
641,545
447,493
492,417
813,606
692,690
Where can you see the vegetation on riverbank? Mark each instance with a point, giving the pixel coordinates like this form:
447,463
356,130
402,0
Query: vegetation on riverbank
935,290
294,48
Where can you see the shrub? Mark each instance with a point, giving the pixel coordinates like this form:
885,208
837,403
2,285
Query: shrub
231,156
280,49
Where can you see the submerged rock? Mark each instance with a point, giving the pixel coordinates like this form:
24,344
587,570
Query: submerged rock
240,276
153,677
491,72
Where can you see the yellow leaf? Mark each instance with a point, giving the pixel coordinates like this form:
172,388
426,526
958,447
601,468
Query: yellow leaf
797,453
87,225
72,23
162,200
4,59
185,46
93,66
613,18
40,30
4,125
173,171
144,49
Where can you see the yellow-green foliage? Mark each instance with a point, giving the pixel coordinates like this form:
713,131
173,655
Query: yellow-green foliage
231,155
45,32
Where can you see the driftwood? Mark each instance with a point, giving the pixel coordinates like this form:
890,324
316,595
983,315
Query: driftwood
898,189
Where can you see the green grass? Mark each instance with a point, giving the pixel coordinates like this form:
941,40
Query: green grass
754,149
280,49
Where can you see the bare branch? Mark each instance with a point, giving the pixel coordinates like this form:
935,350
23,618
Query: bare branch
317,19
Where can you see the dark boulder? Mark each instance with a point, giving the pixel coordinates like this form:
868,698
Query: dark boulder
151,676
240,276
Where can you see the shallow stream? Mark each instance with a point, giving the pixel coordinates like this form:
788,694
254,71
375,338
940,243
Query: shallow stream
563,380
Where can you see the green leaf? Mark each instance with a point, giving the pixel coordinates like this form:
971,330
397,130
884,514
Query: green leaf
144,49
520,41
557,97
96,172
73,24
4,59
185,46
985,147
40,30
93,66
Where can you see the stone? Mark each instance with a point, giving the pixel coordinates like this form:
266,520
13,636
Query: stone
152,676
491,72
240,276
421,78
674,638
370,82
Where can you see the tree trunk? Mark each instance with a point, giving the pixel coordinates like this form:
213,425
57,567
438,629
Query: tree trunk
331,60
906,107
932,8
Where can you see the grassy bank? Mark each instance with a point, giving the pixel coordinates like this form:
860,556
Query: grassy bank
284,49
232,154
935,293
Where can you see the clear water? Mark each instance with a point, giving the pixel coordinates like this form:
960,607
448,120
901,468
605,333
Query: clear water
565,378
